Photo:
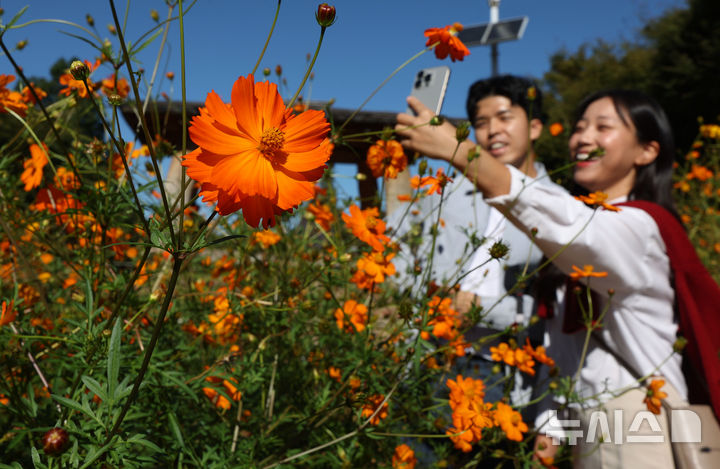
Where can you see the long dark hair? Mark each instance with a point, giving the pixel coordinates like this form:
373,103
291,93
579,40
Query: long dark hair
653,182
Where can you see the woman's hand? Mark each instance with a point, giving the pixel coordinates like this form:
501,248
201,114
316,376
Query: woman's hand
434,141
545,449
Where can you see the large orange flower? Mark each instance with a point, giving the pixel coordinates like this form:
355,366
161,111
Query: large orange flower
447,42
367,226
255,154
510,421
653,398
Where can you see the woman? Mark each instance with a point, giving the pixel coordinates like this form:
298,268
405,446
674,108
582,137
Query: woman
622,145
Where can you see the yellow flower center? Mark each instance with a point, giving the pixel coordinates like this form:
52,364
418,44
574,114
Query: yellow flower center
271,141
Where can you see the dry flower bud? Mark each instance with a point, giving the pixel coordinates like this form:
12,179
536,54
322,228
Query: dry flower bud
79,70
112,29
422,167
115,99
278,70
463,131
21,44
154,15
90,20
55,441
325,15
498,250
679,344
266,71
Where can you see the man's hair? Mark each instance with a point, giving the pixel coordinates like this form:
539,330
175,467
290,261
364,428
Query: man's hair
512,87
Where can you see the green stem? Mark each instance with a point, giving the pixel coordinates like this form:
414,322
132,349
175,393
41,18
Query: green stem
403,65
310,67
267,41
184,125
177,263
146,131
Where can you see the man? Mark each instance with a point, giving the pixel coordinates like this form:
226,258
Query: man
505,113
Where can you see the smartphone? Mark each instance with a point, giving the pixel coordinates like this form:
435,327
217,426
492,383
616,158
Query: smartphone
429,87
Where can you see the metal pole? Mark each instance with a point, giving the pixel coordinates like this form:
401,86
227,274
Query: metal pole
494,18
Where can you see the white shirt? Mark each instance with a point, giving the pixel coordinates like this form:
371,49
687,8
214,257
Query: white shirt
639,325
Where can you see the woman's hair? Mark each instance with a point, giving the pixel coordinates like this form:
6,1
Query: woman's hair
653,182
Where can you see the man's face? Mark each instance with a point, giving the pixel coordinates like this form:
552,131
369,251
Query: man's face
502,129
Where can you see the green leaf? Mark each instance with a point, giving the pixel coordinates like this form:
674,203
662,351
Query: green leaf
175,429
36,458
95,387
14,465
16,18
113,363
74,405
142,46
138,438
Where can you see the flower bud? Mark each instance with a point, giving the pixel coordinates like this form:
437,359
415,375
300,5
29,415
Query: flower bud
55,441
112,29
498,250
532,93
266,71
463,131
115,99
422,168
170,75
361,176
79,70
473,153
325,15
679,344
436,120
496,369
154,15
345,257
90,20
21,44
278,70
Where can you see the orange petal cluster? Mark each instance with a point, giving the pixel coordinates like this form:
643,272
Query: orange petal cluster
470,414
255,154
510,421
219,400
435,184
353,316
371,405
404,457
445,322
323,215
386,158
514,356
597,199
446,42
585,272
367,226
266,238
121,87
653,398
10,100
372,268
33,173
556,128
8,313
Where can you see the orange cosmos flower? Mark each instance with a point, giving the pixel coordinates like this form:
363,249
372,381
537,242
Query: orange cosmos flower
446,42
510,421
267,238
699,172
469,419
353,311
32,175
323,215
254,154
538,354
8,313
465,389
403,458
386,158
121,88
587,271
66,180
10,100
597,199
556,129
653,398
29,98
367,226
372,269
373,403
437,183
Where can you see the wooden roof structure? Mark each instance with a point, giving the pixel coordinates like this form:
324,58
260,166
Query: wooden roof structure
166,119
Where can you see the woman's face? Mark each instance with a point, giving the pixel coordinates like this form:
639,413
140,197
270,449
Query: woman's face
601,129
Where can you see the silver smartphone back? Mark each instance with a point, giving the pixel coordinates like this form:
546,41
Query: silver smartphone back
429,87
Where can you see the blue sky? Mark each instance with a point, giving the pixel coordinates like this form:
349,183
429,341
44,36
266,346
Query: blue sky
223,39
369,39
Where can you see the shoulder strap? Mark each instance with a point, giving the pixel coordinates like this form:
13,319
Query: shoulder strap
697,298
